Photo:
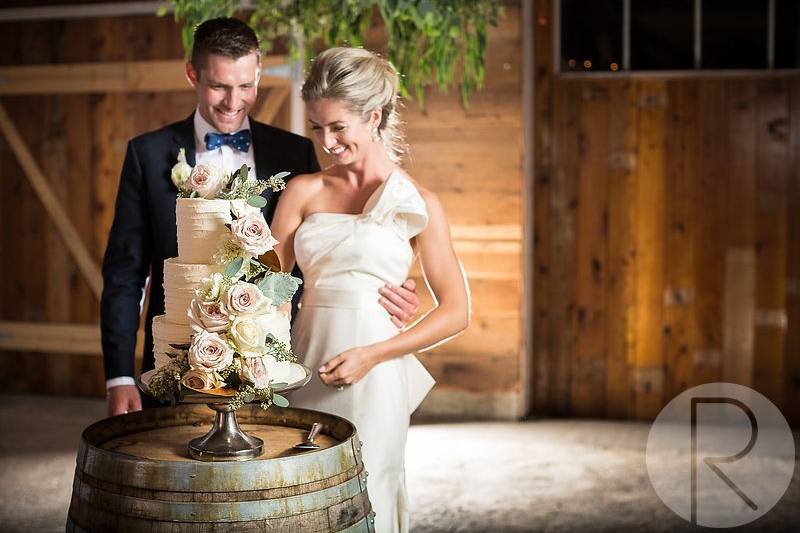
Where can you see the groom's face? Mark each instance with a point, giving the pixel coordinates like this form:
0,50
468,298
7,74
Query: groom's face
226,89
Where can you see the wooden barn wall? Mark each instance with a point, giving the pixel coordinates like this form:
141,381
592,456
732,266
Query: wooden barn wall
667,245
470,157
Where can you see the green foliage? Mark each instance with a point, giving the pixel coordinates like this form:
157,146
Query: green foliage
279,400
441,42
234,267
279,287
193,12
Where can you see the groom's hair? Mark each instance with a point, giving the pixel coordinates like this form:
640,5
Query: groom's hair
229,37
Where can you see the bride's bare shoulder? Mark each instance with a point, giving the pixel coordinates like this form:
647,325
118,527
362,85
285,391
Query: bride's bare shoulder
303,186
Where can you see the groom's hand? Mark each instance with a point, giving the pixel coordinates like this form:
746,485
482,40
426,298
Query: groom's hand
401,302
123,399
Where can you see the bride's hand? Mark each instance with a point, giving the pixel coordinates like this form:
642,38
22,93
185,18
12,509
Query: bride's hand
348,367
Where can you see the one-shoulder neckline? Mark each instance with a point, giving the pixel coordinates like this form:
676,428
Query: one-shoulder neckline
378,191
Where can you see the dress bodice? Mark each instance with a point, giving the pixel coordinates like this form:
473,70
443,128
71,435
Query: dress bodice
364,251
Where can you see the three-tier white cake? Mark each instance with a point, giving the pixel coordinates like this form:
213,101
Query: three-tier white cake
201,225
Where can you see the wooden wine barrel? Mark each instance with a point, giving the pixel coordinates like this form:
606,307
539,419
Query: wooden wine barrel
134,473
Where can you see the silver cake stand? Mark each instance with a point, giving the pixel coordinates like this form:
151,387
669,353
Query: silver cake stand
226,441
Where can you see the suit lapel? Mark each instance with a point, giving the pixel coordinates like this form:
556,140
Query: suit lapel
261,155
183,137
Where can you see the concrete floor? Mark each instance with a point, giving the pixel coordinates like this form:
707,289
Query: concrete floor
544,475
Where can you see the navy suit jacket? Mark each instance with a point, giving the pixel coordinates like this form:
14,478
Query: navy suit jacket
144,234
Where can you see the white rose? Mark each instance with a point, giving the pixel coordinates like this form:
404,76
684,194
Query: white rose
240,208
207,316
248,336
209,351
181,171
252,234
200,380
255,371
210,288
244,298
276,323
206,180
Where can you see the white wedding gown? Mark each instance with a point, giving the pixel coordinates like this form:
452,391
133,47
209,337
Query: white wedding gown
345,259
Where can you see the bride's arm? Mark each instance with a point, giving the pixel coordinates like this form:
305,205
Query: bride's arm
288,217
445,277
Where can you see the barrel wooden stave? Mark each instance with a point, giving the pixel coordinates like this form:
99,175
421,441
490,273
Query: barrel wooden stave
323,490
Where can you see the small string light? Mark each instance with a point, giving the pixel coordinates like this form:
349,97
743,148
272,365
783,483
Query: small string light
571,63
587,64
614,67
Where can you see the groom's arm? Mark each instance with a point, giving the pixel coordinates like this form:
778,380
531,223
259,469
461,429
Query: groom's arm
125,267
401,302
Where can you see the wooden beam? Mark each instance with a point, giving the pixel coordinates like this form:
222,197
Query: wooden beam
113,77
52,205
272,104
49,337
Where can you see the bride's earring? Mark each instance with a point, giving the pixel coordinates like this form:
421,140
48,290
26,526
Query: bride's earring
376,134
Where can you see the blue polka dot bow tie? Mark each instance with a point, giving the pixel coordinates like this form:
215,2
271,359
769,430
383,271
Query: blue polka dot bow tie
238,141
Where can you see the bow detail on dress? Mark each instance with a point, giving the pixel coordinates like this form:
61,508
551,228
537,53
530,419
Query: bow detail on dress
397,202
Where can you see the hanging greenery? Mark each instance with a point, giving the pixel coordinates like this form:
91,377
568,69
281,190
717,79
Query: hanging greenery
441,42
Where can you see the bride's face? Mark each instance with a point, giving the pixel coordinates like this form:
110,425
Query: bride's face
342,133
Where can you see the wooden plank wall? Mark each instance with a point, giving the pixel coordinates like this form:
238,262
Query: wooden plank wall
80,141
666,238
471,158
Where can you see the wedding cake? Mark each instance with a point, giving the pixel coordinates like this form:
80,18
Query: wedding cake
201,226
244,316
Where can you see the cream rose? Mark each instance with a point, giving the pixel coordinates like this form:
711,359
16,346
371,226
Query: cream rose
240,208
206,180
276,323
244,298
209,351
200,380
255,371
210,288
252,234
181,171
248,336
207,316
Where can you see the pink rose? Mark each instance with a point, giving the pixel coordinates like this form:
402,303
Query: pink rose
255,371
206,180
251,233
209,351
207,316
199,380
244,298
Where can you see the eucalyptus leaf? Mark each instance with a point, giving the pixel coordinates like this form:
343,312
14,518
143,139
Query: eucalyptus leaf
279,400
249,397
280,175
257,201
233,267
279,287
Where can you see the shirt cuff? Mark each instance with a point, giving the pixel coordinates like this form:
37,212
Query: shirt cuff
116,382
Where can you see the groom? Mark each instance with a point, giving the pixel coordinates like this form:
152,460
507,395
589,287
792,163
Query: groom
224,71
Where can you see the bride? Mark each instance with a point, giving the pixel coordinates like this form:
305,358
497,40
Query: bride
353,228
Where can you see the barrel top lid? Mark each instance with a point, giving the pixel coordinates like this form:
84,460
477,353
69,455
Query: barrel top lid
170,443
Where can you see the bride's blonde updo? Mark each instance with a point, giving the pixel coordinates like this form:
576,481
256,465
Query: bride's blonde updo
363,81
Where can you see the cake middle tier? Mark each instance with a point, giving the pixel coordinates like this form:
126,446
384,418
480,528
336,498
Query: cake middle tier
180,282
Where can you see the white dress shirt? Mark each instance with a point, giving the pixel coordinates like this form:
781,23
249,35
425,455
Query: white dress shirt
225,157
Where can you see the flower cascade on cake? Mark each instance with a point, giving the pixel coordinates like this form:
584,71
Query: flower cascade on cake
222,332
